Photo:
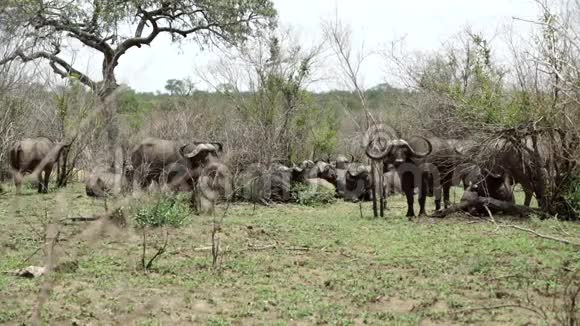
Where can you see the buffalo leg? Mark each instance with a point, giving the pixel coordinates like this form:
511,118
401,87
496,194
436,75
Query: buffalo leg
195,200
40,181
18,181
527,199
422,198
408,187
385,195
410,202
46,180
446,201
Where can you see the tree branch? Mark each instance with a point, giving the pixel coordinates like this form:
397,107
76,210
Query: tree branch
65,70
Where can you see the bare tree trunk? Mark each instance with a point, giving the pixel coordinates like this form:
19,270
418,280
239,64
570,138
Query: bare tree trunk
381,189
62,175
375,189
112,129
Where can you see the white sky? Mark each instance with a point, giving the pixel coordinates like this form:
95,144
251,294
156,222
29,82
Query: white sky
426,24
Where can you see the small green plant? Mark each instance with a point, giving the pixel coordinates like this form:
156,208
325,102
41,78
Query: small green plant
309,195
166,211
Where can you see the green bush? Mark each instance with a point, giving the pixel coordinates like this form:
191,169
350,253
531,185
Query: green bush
312,196
166,211
573,197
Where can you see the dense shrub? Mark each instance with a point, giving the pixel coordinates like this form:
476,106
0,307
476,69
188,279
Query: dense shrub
309,195
165,211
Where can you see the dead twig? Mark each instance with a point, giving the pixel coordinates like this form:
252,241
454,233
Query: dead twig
31,255
491,218
82,219
144,248
160,251
505,277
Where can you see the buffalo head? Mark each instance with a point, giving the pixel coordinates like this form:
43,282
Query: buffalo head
326,171
305,170
358,183
200,154
342,162
397,151
485,183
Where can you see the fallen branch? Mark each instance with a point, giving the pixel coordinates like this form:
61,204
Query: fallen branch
543,236
202,249
298,249
488,204
115,216
82,219
468,310
253,248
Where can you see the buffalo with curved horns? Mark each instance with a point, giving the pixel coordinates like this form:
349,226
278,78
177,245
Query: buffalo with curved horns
410,164
176,164
430,170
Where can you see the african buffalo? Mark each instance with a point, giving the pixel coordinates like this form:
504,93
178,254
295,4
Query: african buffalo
503,157
410,164
210,185
35,156
260,183
326,171
166,161
430,170
355,183
488,184
105,182
482,185
519,164
341,162
305,170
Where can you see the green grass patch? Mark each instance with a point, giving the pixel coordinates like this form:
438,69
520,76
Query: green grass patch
288,264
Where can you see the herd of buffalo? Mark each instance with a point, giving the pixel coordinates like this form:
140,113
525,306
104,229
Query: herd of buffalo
418,165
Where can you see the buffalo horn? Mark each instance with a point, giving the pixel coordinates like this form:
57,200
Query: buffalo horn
381,154
420,155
